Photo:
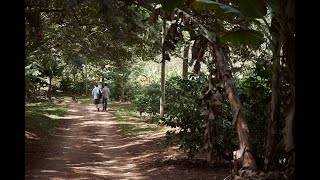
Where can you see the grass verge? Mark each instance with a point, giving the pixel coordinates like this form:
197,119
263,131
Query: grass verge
131,123
41,118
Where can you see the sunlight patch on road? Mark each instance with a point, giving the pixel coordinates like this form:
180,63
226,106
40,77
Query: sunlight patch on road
71,117
127,145
30,135
48,171
95,122
144,156
52,116
73,110
105,172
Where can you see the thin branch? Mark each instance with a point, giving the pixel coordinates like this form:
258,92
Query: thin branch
75,15
84,24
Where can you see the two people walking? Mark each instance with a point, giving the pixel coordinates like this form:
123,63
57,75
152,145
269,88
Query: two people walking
103,94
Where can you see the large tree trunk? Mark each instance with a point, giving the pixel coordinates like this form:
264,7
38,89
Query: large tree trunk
163,73
185,61
271,155
287,143
237,112
290,56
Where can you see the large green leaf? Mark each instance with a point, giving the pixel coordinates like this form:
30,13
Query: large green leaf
170,5
253,8
207,34
208,4
245,37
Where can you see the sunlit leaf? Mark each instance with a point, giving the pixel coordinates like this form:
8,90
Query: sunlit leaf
208,4
208,34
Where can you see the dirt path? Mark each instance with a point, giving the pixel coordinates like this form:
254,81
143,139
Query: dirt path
90,145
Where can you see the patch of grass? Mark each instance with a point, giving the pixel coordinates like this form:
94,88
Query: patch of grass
125,112
133,130
42,117
85,100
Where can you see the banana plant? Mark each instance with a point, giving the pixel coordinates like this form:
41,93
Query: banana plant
255,11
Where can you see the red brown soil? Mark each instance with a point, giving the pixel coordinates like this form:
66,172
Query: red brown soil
90,145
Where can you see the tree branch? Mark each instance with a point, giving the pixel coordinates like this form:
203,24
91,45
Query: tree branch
74,14
84,24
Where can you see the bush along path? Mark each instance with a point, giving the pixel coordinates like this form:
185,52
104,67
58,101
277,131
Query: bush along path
92,145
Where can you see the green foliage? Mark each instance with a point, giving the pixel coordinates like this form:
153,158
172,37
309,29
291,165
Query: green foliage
32,78
253,8
243,37
184,104
226,141
170,5
255,95
148,99
208,4
69,87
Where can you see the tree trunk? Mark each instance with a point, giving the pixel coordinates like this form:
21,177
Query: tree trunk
185,61
271,155
85,67
122,94
163,73
122,89
290,56
288,138
49,90
74,83
237,112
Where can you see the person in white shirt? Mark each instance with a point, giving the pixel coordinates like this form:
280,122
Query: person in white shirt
105,97
96,96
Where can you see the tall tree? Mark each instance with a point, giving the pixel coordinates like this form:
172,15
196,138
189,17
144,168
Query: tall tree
163,72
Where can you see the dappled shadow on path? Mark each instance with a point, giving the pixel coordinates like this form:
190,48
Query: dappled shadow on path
90,145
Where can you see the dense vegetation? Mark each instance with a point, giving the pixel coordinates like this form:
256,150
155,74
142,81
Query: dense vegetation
238,94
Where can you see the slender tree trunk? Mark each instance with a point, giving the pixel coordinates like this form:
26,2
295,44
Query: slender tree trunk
271,155
85,67
185,61
122,89
163,73
122,94
74,78
237,112
49,90
74,83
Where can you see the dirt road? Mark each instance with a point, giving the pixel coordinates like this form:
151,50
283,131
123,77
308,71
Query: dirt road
90,145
